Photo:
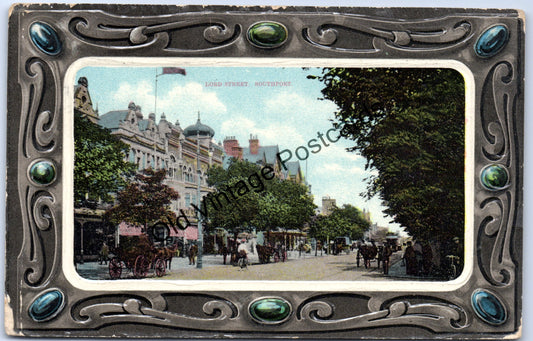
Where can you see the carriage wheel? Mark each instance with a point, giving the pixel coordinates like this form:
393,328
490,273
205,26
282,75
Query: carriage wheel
160,267
141,267
115,268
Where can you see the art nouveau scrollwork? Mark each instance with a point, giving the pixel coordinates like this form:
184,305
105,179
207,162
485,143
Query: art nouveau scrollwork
36,111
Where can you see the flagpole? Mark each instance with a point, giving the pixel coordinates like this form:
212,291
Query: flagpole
155,101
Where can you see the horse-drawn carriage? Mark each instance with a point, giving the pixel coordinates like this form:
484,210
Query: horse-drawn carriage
139,257
264,253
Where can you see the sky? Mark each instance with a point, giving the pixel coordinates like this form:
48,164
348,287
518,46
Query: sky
233,104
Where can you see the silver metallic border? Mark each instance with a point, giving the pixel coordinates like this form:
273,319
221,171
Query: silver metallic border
34,213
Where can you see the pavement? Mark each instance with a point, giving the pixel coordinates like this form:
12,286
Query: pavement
299,266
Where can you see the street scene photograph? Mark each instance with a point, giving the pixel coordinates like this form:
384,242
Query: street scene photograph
185,172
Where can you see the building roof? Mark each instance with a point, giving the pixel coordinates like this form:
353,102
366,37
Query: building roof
198,129
111,120
268,152
143,124
293,167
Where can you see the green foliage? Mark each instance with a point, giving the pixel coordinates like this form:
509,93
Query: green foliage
346,221
273,204
409,125
145,200
100,168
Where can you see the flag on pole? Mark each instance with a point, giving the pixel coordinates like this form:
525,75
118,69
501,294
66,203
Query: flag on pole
174,71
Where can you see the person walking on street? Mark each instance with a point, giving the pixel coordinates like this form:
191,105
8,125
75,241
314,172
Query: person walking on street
387,252
410,260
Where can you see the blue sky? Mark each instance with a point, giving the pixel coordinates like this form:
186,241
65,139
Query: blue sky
288,116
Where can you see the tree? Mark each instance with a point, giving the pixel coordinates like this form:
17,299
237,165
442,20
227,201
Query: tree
267,203
100,166
145,200
409,125
355,222
237,213
345,221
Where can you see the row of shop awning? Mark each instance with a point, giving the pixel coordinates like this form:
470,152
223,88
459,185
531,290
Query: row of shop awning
190,233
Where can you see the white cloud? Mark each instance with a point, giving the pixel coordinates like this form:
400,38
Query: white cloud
276,133
293,103
182,101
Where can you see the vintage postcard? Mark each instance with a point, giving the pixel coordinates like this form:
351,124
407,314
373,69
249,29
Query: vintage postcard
237,172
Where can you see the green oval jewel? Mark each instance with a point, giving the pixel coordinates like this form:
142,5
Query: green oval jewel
270,310
494,177
267,34
43,172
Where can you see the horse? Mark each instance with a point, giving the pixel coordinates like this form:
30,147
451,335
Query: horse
166,253
264,252
368,252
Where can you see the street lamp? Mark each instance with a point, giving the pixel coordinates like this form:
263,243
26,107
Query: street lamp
198,195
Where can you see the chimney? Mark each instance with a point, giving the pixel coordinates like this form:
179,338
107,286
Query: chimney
237,152
254,145
230,142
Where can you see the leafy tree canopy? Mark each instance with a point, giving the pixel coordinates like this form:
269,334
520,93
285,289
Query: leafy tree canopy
100,167
345,221
144,201
269,204
409,125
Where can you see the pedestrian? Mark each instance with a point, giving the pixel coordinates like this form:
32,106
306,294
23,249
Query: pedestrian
387,252
410,260
380,255
193,251
224,253
104,253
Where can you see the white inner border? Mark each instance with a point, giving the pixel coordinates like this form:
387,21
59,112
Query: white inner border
238,285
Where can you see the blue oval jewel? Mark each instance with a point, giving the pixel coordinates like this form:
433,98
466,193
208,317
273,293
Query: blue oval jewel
488,307
46,306
43,172
270,310
267,34
494,177
492,41
45,38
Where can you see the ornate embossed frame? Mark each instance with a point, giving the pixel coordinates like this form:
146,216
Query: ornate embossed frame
486,304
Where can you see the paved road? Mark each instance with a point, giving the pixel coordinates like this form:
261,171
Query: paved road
304,267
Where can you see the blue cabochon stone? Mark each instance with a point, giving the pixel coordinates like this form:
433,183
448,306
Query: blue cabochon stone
45,38
488,307
270,310
494,177
492,41
267,34
43,172
46,305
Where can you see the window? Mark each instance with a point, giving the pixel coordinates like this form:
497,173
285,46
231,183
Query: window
187,200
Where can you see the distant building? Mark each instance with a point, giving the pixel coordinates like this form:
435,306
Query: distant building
262,156
83,104
328,205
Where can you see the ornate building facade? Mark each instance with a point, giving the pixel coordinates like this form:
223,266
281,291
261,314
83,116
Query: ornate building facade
159,145
163,145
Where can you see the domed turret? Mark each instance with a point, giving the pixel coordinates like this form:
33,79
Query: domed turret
199,129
